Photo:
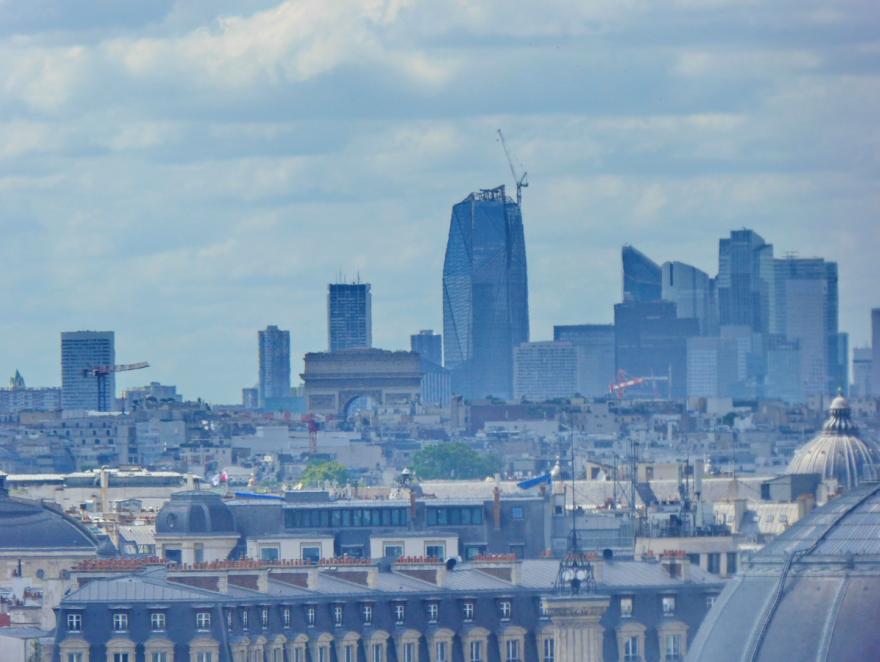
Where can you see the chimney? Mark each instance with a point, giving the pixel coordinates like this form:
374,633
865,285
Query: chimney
505,567
676,564
496,508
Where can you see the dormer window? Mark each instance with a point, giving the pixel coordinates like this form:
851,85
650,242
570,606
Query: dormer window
311,614
468,611
399,614
157,621
285,616
337,615
367,611
504,608
74,622
264,617
433,612
120,621
244,619
203,620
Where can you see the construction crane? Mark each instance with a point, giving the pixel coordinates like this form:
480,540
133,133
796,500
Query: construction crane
521,181
100,372
624,382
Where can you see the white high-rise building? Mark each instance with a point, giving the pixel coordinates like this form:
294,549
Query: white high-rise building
82,351
544,371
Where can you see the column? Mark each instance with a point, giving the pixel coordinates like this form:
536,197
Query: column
575,620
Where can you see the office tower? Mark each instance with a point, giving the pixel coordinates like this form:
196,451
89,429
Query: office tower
274,364
711,367
544,371
485,294
875,352
691,290
782,378
82,351
642,279
250,397
594,346
745,281
862,366
651,342
349,316
806,310
428,345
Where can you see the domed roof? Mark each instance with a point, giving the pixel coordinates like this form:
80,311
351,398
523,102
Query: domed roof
837,451
195,513
808,595
34,526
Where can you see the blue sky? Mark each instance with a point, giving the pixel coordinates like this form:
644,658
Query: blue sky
188,172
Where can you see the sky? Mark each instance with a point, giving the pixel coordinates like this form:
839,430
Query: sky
186,173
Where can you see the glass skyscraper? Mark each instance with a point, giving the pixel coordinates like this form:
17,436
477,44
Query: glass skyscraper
745,281
349,316
641,276
274,364
82,351
692,292
485,294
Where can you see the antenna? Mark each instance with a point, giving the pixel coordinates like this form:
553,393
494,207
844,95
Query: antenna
521,181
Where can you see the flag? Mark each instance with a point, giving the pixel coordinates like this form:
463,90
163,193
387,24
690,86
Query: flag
534,482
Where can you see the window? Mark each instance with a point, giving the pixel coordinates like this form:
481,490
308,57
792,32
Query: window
74,657
158,656
285,616
433,612
120,657
349,653
435,550
311,554
337,615
277,655
631,649
668,605
442,648
323,654
511,649
714,563
519,551
393,551
367,611
204,656
549,649
468,611
299,655
542,609
399,614
203,620
517,512
409,652
710,601
229,619
378,653
264,617
74,622
269,553
310,615
504,608
244,618
120,621
476,651
626,607
199,552
673,647
731,563
157,621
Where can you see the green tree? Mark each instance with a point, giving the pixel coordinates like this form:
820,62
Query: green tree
453,460
317,473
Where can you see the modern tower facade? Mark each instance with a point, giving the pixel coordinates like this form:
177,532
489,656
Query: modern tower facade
82,351
485,294
642,280
691,290
428,345
806,310
594,345
862,363
349,316
544,371
274,364
745,281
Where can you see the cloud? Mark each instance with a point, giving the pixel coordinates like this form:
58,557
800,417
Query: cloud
189,172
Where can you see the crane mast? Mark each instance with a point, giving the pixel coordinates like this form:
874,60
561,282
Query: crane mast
521,180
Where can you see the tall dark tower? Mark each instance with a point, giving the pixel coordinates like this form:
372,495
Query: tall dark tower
485,294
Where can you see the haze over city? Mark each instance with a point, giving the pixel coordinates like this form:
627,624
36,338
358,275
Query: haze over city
186,173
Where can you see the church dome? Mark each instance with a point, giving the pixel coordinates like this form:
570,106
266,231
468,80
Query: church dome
811,594
32,526
837,451
194,513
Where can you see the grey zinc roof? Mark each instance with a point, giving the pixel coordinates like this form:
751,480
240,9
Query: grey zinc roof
136,588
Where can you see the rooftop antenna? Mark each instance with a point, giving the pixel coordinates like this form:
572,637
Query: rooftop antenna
521,181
